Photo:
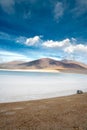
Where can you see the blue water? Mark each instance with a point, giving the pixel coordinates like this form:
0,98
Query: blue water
21,86
42,74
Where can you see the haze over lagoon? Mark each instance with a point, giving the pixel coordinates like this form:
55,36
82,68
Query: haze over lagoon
22,86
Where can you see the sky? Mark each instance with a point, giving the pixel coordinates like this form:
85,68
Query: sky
33,29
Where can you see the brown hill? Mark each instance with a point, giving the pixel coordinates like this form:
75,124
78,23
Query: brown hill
10,65
47,63
74,62
44,63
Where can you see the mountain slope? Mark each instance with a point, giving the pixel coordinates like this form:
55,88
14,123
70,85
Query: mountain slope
47,63
42,63
74,62
10,65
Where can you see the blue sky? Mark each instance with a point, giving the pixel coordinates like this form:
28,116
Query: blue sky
32,29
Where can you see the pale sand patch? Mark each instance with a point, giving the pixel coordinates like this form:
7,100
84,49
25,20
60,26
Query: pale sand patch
10,113
18,108
31,70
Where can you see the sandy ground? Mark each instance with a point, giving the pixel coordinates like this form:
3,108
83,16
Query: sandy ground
63,113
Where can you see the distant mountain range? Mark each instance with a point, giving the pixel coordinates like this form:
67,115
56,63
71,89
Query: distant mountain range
47,64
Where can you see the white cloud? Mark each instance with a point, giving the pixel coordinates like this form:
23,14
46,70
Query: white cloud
48,48
73,40
80,48
68,48
58,10
66,45
57,44
7,6
6,56
32,41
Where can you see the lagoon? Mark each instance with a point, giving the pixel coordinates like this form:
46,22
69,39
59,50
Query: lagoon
22,86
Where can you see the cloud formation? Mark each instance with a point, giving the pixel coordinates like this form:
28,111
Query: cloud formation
69,49
32,41
67,45
57,44
81,7
76,48
66,48
7,6
4,36
21,39
58,10
6,56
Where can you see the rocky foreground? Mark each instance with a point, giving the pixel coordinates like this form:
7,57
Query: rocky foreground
64,113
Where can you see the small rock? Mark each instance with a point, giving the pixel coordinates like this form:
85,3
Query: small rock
79,92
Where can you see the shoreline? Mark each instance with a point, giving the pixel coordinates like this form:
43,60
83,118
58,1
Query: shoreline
45,99
31,70
39,99
45,71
